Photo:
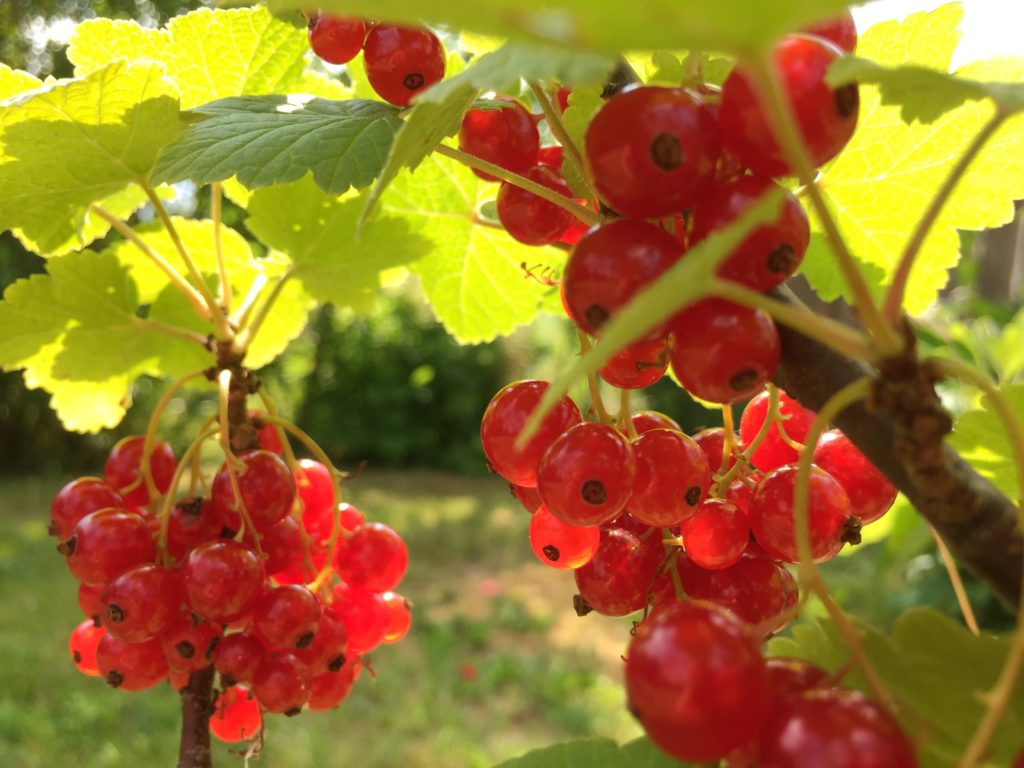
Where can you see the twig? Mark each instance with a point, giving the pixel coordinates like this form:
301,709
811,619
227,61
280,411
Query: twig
956,581
224,292
572,152
245,338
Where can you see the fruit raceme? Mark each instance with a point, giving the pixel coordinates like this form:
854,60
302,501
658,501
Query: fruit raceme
254,569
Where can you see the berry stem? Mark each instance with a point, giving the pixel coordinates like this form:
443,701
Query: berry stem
572,152
221,330
893,305
595,387
776,417
765,76
286,446
176,278
167,329
240,317
145,471
728,434
722,483
672,552
626,415
584,214
245,338
809,574
224,295
956,581
310,443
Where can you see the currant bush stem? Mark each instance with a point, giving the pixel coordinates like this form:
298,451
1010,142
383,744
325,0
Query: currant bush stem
176,278
809,574
221,329
584,214
893,306
842,338
224,295
761,69
956,581
595,387
572,152
245,338
231,461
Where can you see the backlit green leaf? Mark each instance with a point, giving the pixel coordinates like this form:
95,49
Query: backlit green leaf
14,81
980,437
594,753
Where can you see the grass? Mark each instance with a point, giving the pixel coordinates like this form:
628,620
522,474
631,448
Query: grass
496,663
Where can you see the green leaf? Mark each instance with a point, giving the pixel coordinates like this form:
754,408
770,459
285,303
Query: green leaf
77,142
438,111
583,105
924,94
934,667
591,753
318,232
14,81
76,333
264,140
980,437
209,54
882,183
472,274
727,25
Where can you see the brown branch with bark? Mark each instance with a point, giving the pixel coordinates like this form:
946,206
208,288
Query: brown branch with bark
901,431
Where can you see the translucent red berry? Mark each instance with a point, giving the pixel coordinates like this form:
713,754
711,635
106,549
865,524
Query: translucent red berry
336,39
586,476
281,545
82,646
773,451
107,543
773,523
789,676
559,544
330,689
399,617
267,488
637,366
610,265
364,614
840,30
192,522
315,487
140,603
77,499
223,580
374,557
531,219
282,683
122,469
724,352
236,714
402,61
826,117
652,151
645,421
189,645
504,419
696,681
772,251
717,535
871,494
130,666
672,478
269,434
506,137
89,600
330,644
712,442
618,578
286,618
237,656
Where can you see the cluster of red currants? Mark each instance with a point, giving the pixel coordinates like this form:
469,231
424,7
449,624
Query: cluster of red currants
267,580
400,61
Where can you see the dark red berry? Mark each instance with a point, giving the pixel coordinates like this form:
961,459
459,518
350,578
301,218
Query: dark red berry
282,683
237,656
189,645
330,644
652,151
192,522
141,603
531,219
618,578
286,618
840,30
130,666
402,61
330,689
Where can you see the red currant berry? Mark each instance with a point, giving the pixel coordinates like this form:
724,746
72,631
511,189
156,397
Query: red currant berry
84,642
506,137
559,544
327,651
790,676
645,421
652,151
717,535
268,491
504,419
586,476
826,117
281,545
364,614
282,683
286,618
773,451
712,442
223,580
531,219
130,666
620,575
724,352
772,518
402,61
528,497
837,728
696,681
122,469
672,478
610,265
553,157
237,656
268,434
399,617
189,645
192,522
315,486
637,366
77,499
89,601
107,543
236,715
336,39
562,97
871,494
141,603
770,253
741,490
374,557
840,30
330,689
